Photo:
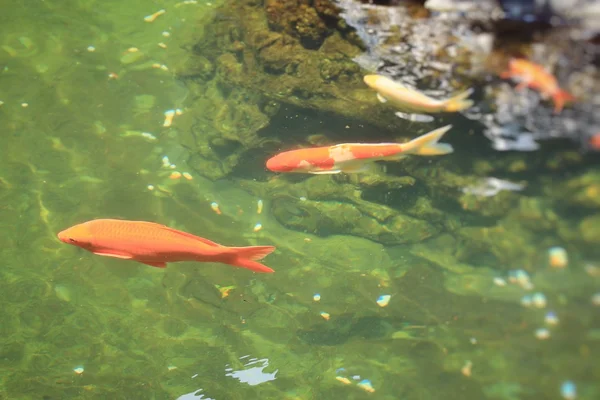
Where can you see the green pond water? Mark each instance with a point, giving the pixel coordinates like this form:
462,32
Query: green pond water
78,326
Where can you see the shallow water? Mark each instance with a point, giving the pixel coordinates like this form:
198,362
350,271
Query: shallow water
83,137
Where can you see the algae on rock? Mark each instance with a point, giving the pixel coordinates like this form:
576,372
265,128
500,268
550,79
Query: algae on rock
298,52
320,206
220,128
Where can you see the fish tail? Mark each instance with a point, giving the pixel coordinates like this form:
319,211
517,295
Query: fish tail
427,144
560,97
459,102
246,257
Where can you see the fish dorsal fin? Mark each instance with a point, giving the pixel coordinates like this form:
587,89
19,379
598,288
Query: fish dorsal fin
182,233
360,167
190,236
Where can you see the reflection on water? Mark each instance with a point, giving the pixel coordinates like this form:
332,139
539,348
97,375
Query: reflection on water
253,373
492,186
195,395
445,47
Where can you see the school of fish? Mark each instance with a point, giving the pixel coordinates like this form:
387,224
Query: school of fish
156,245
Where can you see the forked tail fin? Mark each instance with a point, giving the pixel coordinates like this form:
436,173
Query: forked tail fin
560,98
459,102
427,144
246,257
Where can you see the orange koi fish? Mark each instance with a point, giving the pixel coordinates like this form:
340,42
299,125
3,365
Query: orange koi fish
156,245
595,141
409,99
536,77
356,157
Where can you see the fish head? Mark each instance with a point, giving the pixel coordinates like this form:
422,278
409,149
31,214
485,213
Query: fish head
371,80
78,235
290,161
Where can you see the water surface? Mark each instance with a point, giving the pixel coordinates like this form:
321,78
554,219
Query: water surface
83,137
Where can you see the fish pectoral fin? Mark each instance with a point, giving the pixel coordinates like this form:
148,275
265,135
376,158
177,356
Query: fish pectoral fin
381,98
325,172
114,255
414,117
358,167
157,264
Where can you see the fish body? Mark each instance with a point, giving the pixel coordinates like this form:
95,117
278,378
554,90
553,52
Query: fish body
408,99
536,77
594,142
155,245
356,157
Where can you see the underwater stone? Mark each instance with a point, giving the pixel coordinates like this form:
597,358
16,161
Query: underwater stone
339,209
339,70
271,108
297,19
220,127
131,57
174,326
497,205
505,243
275,62
228,65
194,67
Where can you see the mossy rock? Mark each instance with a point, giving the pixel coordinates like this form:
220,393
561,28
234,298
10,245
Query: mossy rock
320,206
297,52
221,127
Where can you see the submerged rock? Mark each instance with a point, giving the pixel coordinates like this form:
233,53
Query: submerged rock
300,20
297,52
320,206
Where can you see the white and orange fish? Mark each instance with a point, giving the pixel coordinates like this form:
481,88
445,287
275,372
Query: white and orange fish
536,77
356,157
156,245
408,99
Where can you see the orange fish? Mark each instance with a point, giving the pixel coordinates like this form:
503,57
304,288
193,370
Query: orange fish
356,157
595,141
536,77
156,245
